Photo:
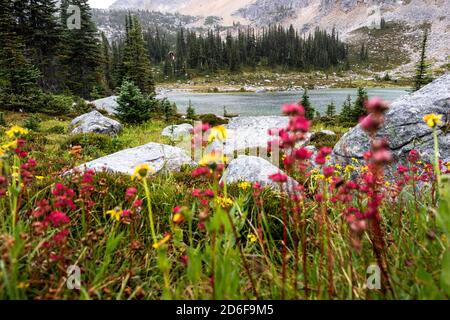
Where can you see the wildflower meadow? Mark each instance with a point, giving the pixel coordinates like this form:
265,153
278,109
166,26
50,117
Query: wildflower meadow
337,231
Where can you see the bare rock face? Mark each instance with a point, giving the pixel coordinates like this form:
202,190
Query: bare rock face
160,157
95,122
254,169
404,127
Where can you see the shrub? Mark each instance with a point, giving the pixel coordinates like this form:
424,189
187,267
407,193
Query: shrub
37,101
320,140
33,122
212,119
93,144
56,130
81,106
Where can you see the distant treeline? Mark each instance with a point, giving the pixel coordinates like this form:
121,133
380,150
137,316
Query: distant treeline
271,47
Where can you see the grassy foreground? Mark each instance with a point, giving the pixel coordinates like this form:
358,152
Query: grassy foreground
343,233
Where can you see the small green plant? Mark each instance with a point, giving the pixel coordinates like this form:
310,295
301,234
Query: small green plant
33,122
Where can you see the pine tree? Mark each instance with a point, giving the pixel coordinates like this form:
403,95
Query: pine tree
190,111
17,74
43,40
359,108
83,55
346,112
136,65
309,109
331,110
422,69
107,63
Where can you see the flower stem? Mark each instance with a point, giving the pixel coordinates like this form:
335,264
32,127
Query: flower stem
150,211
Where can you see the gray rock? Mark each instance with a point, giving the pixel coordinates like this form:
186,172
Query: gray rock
176,132
95,122
253,169
328,132
108,104
251,132
159,156
404,127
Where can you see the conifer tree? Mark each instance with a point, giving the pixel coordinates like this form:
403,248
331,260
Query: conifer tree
17,74
107,63
331,110
83,55
422,78
359,108
133,106
135,64
190,111
309,109
346,112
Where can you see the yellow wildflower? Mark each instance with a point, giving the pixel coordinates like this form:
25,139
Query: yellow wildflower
448,166
224,202
387,184
142,171
115,214
252,237
16,131
23,285
244,185
219,133
349,169
338,167
432,120
365,169
40,178
443,238
162,241
212,158
9,146
355,160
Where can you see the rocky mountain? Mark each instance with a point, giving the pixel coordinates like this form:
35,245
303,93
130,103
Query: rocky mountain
349,17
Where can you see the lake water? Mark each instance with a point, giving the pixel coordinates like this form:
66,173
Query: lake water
269,103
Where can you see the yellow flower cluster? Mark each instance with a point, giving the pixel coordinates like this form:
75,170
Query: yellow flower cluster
244,185
432,120
224,202
252,237
16,131
115,214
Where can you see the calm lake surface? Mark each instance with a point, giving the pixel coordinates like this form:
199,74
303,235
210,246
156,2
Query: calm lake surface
269,103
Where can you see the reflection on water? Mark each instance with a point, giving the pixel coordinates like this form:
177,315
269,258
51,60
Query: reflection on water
269,103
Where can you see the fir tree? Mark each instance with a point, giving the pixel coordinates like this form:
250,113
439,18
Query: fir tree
17,74
346,112
309,109
422,69
190,111
133,107
331,110
359,108
83,51
135,64
107,63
